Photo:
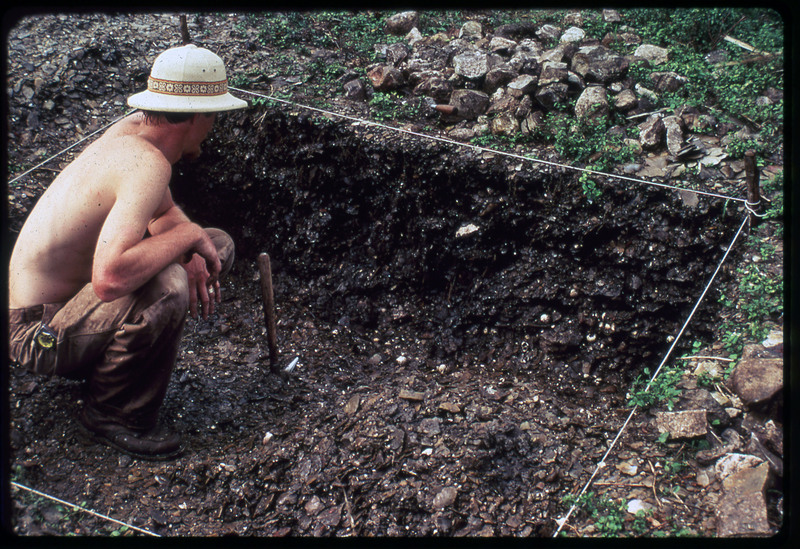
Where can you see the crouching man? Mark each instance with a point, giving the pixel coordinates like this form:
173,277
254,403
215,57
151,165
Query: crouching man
106,266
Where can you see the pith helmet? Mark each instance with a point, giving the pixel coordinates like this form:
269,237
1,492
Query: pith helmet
187,79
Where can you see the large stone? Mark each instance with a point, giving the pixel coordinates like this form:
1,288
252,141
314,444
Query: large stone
651,132
573,34
625,101
668,81
355,90
396,53
470,103
742,509
548,33
385,78
435,86
654,54
402,23
756,379
674,134
471,30
553,72
501,45
592,103
498,76
505,124
552,94
683,424
599,64
471,64
521,85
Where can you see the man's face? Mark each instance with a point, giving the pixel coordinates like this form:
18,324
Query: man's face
200,126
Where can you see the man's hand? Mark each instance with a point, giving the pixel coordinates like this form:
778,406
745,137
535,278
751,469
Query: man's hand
203,286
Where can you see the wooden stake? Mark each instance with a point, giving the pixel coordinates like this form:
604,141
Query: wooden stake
268,299
753,191
184,30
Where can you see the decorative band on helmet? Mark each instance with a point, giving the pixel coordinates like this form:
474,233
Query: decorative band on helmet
172,87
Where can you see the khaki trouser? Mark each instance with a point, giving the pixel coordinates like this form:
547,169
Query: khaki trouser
124,349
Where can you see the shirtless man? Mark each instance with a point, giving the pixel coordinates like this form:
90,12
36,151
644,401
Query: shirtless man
106,266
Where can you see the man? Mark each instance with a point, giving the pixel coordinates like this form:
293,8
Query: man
106,266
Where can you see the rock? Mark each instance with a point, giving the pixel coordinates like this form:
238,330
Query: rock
385,78
532,122
573,34
548,33
314,505
471,64
599,64
517,31
498,76
654,54
470,103
683,424
674,134
625,101
731,462
611,16
667,81
407,394
592,103
502,45
436,87
522,84
756,379
445,498
396,53
402,23
636,505
471,30
504,123
651,132
413,36
553,72
552,94
742,509
355,90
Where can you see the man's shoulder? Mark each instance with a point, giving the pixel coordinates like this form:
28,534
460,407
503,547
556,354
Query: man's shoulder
133,152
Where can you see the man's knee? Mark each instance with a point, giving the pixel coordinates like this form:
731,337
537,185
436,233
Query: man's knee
172,288
225,248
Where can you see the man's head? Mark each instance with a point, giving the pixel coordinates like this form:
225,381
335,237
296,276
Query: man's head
187,79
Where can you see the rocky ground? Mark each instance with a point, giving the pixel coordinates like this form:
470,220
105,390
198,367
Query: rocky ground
463,363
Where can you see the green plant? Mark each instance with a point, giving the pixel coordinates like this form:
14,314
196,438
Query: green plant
590,190
662,389
606,515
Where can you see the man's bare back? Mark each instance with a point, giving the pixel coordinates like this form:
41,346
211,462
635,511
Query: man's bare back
55,251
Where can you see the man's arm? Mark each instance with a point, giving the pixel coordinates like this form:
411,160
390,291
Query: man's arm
124,260
196,269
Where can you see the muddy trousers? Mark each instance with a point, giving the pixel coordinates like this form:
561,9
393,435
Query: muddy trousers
125,350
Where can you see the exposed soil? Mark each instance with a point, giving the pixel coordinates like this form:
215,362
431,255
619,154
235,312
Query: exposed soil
446,384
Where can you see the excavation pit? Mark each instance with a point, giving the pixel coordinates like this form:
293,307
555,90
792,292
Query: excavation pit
486,258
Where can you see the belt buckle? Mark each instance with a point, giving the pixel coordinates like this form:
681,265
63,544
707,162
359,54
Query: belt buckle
44,337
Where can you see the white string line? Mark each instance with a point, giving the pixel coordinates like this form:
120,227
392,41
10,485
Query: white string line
484,149
39,165
79,508
561,522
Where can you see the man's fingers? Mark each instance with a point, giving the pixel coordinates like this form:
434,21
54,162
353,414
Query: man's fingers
193,301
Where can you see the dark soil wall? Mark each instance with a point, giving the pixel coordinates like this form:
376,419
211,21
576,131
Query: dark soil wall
362,224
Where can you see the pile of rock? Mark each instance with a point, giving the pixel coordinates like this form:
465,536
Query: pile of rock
504,82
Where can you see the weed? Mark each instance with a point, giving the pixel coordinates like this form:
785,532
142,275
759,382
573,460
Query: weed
606,515
662,389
